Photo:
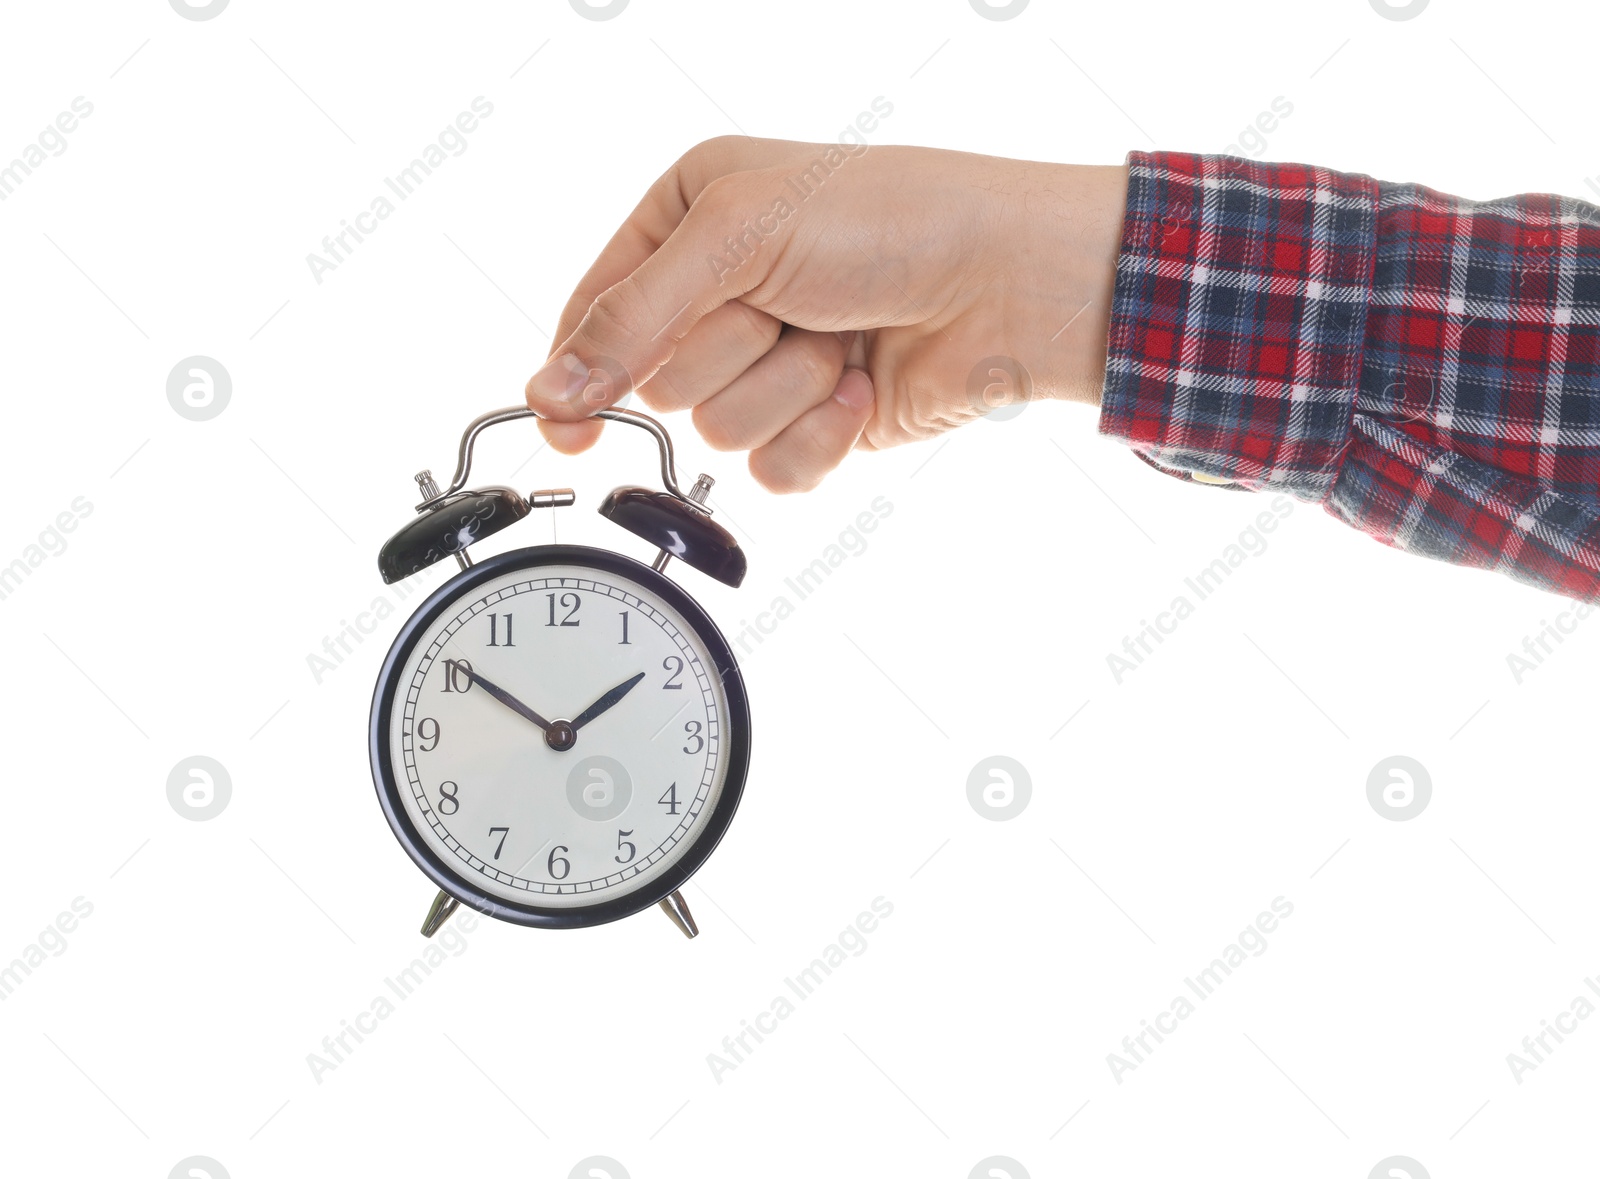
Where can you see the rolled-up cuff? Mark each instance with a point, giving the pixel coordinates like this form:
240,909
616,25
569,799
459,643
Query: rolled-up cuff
1235,348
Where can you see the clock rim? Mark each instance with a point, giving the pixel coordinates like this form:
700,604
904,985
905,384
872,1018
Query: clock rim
715,824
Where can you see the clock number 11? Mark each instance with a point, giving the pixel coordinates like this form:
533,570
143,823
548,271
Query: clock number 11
495,629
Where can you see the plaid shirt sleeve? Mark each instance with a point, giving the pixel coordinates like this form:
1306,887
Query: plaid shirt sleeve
1424,366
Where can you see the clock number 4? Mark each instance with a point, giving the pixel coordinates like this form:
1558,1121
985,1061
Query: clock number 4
670,799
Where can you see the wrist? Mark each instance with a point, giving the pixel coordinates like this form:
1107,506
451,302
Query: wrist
1062,235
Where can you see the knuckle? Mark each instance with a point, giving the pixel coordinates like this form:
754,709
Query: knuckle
716,427
618,313
779,476
754,331
662,393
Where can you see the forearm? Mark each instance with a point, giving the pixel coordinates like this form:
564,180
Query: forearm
1423,366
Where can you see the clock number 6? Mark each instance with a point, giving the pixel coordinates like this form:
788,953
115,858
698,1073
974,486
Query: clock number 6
550,864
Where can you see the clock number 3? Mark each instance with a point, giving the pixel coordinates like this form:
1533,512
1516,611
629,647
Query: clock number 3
695,742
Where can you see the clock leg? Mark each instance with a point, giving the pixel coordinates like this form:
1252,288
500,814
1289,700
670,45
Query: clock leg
438,913
678,909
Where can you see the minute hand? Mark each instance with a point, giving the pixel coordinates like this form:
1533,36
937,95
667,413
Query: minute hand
605,702
507,699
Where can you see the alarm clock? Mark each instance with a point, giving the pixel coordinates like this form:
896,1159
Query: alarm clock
560,734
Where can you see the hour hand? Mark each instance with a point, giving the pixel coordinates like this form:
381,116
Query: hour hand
507,699
605,702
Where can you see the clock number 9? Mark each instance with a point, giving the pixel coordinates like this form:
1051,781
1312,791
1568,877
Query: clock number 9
422,731
692,729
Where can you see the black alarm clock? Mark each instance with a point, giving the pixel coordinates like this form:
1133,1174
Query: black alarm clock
560,734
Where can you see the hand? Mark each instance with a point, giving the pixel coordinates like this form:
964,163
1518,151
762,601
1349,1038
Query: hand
605,702
506,698
799,326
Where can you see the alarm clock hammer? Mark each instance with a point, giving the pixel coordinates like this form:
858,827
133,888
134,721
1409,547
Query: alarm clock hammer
624,811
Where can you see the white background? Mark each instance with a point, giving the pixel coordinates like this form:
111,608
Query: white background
1172,808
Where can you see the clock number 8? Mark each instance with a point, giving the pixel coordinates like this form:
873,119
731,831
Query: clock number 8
449,804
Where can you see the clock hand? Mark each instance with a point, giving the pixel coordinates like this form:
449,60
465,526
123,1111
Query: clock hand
605,702
507,699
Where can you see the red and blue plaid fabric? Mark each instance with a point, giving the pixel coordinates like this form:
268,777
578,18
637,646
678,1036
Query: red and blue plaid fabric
1424,366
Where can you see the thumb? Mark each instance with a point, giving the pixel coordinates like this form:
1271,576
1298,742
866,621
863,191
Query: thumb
633,326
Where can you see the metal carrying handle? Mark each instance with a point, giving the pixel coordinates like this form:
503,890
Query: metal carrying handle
494,417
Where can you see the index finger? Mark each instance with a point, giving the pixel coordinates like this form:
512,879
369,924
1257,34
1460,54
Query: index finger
650,284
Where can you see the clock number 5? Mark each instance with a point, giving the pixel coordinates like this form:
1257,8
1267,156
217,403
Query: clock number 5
623,843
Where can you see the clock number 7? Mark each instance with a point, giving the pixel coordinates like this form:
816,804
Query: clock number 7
503,832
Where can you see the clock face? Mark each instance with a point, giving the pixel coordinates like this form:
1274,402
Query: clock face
560,736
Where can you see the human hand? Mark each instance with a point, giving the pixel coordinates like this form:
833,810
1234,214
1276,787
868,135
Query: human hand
799,319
